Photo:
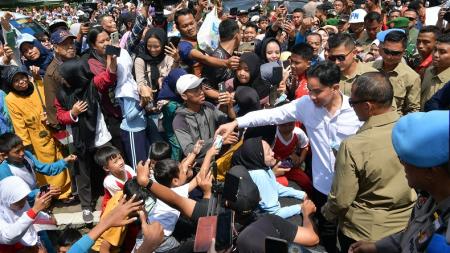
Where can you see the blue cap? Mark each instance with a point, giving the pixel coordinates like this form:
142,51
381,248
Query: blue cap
60,35
421,138
381,35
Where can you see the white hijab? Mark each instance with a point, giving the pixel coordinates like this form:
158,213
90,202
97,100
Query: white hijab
12,190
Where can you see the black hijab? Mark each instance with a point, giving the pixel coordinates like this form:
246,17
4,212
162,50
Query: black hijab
254,64
262,47
250,155
10,73
161,35
247,99
79,86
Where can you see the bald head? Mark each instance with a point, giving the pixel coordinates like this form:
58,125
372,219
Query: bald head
374,87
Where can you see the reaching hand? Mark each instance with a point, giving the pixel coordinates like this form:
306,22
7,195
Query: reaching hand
119,216
42,201
198,147
35,72
226,129
233,62
308,207
153,234
4,21
363,247
225,98
78,108
8,55
279,171
172,51
204,181
143,173
70,158
232,139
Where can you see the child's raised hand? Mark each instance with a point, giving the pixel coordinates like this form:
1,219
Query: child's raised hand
78,108
204,181
143,173
70,158
198,147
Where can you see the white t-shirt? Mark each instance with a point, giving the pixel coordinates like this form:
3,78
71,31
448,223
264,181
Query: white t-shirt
114,184
28,176
303,140
166,215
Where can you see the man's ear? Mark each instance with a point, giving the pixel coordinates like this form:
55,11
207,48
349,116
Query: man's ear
3,155
183,96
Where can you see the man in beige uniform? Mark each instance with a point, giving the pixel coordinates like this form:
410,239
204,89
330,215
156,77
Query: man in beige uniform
437,75
342,52
404,80
369,186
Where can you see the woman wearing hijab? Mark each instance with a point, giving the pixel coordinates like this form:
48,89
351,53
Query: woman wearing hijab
34,53
248,74
171,100
269,50
152,64
26,109
257,156
77,107
17,232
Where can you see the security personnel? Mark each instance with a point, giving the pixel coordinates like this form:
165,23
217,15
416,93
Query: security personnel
421,141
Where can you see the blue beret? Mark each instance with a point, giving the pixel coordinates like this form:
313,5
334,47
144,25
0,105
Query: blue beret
421,138
381,35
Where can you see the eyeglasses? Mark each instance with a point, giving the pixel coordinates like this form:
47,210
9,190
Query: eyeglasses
391,52
355,102
340,57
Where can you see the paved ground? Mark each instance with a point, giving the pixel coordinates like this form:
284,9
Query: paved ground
71,215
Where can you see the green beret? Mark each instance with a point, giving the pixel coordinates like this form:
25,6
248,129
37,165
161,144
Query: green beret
400,22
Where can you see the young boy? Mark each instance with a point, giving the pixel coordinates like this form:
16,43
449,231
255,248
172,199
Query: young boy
22,163
198,119
110,159
301,57
159,150
68,237
176,176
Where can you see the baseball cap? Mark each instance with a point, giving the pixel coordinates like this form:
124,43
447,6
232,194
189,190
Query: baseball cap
187,82
247,195
381,35
325,6
60,35
422,138
55,23
357,16
400,22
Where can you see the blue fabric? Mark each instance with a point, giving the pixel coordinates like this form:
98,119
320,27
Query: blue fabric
299,38
440,100
381,35
422,138
46,241
83,245
134,119
270,190
169,87
5,120
184,49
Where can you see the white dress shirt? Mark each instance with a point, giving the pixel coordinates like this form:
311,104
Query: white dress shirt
325,132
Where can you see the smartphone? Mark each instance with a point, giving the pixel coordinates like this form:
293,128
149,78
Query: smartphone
206,231
273,95
11,39
277,75
44,189
276,245
222,87
234,11
115,38
231,187
286,64
112,50
174,40
238,53
447,16
289,17
224,230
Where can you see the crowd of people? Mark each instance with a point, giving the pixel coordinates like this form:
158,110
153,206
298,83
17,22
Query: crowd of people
339,106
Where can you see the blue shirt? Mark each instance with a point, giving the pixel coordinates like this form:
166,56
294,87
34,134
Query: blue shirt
184,49
134,119
270,190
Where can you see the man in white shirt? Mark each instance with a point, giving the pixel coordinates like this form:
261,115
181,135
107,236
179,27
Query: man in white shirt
328,119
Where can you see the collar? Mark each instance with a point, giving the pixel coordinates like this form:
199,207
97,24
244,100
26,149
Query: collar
380,120
444,76
426,62
397,70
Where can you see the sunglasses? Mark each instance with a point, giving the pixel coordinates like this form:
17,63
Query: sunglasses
340,57
355,102
391,52
411,19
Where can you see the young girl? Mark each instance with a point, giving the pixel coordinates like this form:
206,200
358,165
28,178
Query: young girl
269,50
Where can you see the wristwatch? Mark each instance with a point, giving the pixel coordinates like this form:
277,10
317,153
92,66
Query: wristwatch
150,183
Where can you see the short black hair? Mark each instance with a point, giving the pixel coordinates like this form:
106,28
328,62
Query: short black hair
314,34
373,16
415,5
394,10
413,10
327,72
375,87
166,170
303,50
68,237
298,10
182,12
92,35
263,18
227,29
251,24
396,36
431,29
9,141
444,38
104,154
131,187
160,150
336,40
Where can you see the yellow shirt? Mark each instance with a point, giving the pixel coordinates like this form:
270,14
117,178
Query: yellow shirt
345,84
114,235
370,196
432,83
406,84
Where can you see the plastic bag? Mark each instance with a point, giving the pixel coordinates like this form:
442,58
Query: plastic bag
208,35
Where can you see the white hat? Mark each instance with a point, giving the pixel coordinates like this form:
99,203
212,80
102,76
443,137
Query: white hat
187,82
357,16
255,19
